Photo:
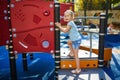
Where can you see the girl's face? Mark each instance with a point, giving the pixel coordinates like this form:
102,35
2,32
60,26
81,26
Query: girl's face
67,17
111,25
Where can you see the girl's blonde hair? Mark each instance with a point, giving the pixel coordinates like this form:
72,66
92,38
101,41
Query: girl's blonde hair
70,12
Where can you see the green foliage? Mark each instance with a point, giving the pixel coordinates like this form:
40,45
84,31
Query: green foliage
94,4
115,1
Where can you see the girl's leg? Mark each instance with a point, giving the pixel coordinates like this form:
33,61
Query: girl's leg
77,61
76,45
71,48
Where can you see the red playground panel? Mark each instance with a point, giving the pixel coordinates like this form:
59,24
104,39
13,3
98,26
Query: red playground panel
31,14
4,26
63,8
38,40
32,25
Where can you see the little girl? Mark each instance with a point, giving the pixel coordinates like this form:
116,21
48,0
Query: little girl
75,38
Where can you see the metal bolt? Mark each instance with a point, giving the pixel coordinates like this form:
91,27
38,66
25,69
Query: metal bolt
15,52
51,6
51,23
5,18
14,35
52,51
8,11
8,17
51,29
10,46
7,41
10,30
12,5
5,11
13,29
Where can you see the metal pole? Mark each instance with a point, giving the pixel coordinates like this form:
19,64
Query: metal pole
87,17
91,44
103,31
57,39
24,58
10,48
101,40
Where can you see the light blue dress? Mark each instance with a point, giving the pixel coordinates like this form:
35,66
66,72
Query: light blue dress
73,33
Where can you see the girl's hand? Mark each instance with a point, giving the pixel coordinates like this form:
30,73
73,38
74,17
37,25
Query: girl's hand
58,24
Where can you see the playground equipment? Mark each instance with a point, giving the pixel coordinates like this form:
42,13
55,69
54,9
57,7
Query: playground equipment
65,62
28,27
31,28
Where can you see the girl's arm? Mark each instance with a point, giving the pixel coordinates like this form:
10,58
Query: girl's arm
63,29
